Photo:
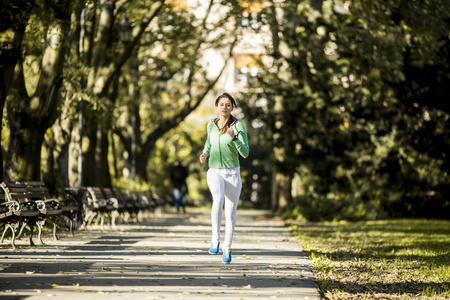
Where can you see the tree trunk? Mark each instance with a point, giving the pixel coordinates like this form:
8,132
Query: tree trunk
89,158
281,190
57,143
2,103
18,13
95,164
24,152
274,191
30,117
104,175
142,159
100,85
284,188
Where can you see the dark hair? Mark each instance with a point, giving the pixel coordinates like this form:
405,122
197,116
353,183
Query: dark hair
232,118
226,95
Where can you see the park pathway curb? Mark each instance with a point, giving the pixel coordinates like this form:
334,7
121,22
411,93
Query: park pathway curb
165,257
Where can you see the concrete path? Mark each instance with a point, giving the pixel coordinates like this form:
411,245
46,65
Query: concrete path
163,258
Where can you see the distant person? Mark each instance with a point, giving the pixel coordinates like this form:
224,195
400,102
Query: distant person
178,175
226,140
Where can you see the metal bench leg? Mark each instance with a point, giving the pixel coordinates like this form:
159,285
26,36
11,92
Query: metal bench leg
4,232
91,218
40,224
71,226
100,217
84,223
102,221
113,220
19,235
55,237
88,219
31,225
14,227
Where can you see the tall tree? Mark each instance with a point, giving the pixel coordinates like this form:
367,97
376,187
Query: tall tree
350,103
33,109
15,16
104,59
188,83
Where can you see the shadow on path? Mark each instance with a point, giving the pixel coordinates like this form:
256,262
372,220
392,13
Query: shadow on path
167,258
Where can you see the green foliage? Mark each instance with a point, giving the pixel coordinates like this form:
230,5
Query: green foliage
358,107
390,259
184,143
332,206
256,172
170,55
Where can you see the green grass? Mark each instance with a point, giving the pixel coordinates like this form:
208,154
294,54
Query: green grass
396,259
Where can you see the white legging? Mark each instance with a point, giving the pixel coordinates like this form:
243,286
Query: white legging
224,184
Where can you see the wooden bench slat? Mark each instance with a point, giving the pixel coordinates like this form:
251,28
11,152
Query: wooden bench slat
17,197
38,189
34,194
16,189
33,183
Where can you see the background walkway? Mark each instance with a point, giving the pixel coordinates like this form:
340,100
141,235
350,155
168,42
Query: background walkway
163,258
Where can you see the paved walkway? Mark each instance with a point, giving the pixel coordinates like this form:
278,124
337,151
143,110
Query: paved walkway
163,258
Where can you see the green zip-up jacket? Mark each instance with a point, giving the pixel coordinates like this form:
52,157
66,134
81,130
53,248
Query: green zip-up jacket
223,152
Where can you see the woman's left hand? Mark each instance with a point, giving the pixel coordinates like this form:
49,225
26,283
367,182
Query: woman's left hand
230,131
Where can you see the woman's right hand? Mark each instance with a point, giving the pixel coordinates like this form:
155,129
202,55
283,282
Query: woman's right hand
202,158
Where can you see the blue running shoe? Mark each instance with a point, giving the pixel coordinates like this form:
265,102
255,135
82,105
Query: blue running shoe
214,248
226,257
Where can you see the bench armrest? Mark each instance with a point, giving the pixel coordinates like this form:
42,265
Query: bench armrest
11,206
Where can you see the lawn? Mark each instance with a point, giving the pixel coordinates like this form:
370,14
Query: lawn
395,259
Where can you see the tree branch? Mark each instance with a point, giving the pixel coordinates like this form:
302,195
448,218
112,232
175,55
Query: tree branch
120,60
126,140
190,106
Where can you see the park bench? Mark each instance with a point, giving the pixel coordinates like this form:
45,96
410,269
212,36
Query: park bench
162,201
69,206
32,211
128,207
148,204
135,205
142,205
117,202
10,213
97,205
72,208
9,210
51,209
